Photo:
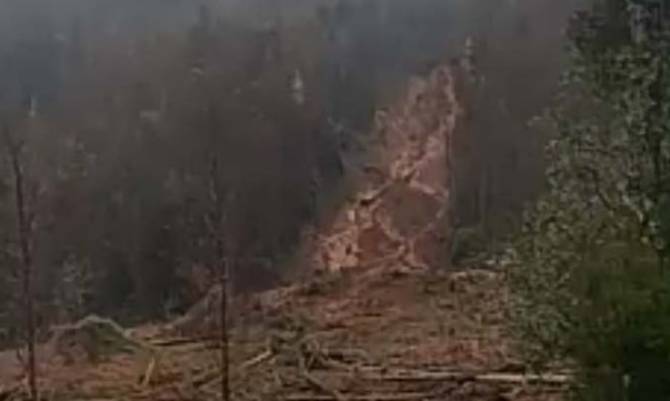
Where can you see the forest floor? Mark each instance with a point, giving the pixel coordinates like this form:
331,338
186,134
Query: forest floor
365,335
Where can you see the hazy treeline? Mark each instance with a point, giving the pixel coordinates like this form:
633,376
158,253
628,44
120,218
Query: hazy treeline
120,134
131,111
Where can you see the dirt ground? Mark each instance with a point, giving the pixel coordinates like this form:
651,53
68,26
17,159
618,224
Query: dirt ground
364,335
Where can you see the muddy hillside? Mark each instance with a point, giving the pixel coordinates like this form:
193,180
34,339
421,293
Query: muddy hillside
399,215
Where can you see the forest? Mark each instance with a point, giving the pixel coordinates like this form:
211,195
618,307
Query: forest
123,117
334,200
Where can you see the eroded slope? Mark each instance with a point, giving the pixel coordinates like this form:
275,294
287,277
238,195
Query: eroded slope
400,215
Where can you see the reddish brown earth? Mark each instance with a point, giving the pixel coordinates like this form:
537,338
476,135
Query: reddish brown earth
399,217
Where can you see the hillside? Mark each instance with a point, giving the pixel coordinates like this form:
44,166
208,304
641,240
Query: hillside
377,319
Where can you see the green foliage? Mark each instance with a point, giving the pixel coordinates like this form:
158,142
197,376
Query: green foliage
623,346
590,279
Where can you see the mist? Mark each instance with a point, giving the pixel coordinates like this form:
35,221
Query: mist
334,200
129,112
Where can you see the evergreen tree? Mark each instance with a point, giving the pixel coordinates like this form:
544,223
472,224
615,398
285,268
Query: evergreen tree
591,280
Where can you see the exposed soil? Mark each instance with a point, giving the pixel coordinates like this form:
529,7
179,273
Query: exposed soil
400,215
379,334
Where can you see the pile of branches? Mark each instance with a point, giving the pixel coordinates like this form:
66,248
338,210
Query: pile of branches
293,365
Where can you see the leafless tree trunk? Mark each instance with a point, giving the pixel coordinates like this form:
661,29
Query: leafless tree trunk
223,332
14,151
222,263
217,223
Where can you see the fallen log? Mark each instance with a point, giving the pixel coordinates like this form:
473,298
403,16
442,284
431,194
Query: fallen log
205,378
495,377
366,397
257,360
176,342
489,378
378,373
549,379
346,354
375,373
148,375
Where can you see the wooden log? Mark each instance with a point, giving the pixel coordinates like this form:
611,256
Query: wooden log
548,379
377,373
401,375
257,360
146,380
175,342
365,397
494,377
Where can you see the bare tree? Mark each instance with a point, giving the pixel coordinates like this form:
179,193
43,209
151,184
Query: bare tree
218,224
223,256
24,234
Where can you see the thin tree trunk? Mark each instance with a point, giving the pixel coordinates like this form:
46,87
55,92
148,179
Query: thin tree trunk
219,227
23,231
224,340
484,190
223,255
